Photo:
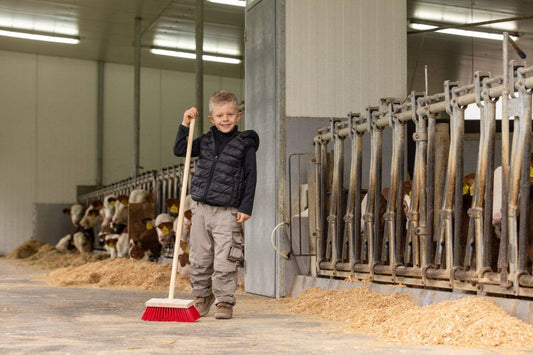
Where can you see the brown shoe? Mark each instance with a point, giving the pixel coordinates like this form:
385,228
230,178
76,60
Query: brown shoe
203,304
224,311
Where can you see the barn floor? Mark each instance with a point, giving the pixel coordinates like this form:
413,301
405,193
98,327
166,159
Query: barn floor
38,318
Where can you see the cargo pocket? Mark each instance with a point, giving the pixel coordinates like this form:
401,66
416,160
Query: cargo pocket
236,250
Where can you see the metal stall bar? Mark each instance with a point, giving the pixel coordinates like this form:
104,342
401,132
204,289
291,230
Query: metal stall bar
334,230
393,215
352,219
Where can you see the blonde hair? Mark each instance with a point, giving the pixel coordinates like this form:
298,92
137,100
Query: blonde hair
222,97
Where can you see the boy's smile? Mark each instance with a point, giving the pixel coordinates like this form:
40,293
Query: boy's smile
225,117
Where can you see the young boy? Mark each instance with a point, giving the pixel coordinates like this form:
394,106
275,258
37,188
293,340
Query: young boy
223,189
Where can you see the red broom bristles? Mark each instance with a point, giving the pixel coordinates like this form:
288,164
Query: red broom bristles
169,314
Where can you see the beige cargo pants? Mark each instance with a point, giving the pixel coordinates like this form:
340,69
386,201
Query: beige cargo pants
216,237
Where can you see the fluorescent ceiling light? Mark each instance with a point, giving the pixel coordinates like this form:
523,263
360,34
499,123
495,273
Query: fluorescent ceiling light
241,3
189,55
459,32
40,37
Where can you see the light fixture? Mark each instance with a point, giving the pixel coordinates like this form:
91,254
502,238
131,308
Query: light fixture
460,32
39,36
241,3
191,55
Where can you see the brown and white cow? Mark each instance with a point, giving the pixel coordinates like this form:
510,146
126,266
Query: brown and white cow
75,212
146,246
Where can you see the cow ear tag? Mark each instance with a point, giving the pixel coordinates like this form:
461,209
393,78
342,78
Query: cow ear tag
174,209
112,203
466,189
472,190
149,225
530,171
164,230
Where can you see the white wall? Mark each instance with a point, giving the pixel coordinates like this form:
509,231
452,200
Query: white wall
49,125
164,96
343,55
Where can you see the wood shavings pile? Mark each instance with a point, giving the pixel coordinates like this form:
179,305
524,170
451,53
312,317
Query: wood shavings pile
25,250
467,322
48,257
119,272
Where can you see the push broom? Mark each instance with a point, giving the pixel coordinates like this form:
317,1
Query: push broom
172,309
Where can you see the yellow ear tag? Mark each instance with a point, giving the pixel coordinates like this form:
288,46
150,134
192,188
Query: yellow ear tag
164,230
530,172
466,188
187,250
174,209
111,244
149,225
409,194
472,190
112,203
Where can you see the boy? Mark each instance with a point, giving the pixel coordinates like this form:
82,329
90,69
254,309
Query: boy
223,189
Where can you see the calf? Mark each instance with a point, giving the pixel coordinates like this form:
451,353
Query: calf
108,210
75,212
165,232
146,247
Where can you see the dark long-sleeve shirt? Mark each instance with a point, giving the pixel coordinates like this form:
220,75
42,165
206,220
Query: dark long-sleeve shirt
249,162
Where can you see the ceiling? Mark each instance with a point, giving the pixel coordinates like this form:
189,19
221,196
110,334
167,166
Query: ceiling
106,29
456,58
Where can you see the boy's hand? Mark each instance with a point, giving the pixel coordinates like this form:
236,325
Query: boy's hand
189,115
241,217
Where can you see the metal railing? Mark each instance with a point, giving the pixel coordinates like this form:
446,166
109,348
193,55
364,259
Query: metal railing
452,246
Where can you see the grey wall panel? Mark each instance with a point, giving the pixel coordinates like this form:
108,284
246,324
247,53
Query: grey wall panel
50,224
17,147
262,116
66,127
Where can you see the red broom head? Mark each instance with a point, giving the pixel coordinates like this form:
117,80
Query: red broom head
169,314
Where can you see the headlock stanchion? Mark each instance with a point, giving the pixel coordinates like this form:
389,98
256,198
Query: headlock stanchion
397,234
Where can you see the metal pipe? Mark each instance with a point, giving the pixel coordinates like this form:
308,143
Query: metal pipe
436,107
137,97
100,127
199,64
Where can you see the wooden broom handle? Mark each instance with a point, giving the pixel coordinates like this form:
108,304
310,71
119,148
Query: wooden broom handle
181,211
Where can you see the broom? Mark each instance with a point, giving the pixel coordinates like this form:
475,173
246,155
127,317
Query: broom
171,309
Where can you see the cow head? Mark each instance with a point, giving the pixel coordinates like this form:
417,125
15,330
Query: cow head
90,218
121,210
136,249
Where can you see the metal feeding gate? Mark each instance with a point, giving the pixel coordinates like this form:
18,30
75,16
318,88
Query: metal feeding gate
452,246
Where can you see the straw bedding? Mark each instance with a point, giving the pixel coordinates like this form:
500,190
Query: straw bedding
467,322
118,272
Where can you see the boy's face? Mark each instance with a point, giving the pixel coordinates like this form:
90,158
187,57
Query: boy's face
225,117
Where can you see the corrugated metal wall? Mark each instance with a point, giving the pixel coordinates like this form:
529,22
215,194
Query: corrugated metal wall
343,55
49,123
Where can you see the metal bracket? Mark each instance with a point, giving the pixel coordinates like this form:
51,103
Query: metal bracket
448,88
513,68
420,136
478,78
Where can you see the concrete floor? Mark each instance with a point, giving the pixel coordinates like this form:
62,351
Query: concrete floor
37,318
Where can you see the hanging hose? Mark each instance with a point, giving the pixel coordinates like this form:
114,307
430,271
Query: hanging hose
286,256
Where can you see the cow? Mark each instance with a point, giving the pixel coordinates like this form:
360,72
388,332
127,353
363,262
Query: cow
84,237
108,210
146,246
75,212
120,218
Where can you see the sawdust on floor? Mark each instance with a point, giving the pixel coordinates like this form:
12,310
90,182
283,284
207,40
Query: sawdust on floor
467,322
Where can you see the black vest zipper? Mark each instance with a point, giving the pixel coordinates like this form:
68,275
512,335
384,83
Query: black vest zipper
212,171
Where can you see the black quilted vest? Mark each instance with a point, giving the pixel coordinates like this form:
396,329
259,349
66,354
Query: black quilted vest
219,180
